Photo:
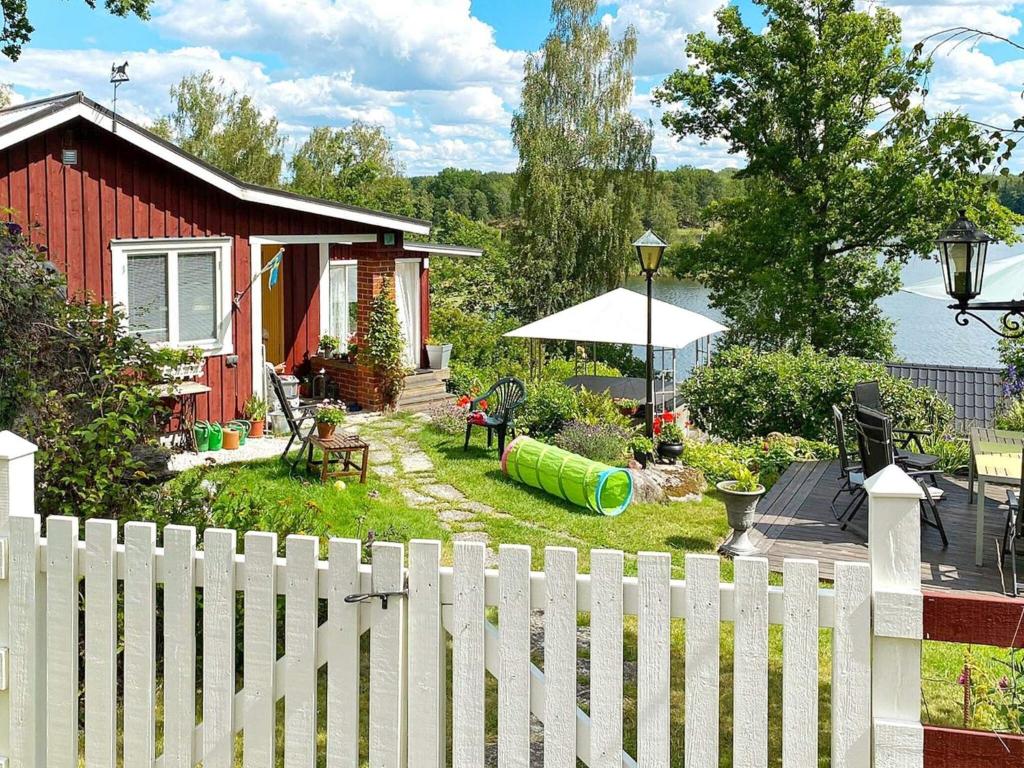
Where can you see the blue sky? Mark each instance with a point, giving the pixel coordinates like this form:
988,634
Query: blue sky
442,76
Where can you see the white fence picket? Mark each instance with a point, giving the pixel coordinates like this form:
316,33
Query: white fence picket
388,660
426,701
300,626
851,667
218,648
800,664
343,655
560,657
139,645
703,609
468,656
606,658
259,648
27,683
100,643
654,646
179,646
514,656
62,642
750,664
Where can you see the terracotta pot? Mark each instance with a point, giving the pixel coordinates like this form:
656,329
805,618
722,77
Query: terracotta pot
231,440
256,428
325,431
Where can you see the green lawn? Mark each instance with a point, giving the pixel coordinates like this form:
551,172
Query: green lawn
523,515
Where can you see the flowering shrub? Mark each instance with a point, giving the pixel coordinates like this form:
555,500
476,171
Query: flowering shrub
666,430
549,406
449,418
331,412
606,443
994,701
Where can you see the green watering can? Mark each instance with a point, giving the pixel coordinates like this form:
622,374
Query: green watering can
242,427
201,435
216,437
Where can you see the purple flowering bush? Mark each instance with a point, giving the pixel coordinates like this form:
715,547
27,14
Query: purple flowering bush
606,443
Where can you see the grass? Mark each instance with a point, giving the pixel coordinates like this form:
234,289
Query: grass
527,516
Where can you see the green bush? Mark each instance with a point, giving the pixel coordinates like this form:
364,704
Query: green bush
769,457
954,452
384,343
549,405
606,443
1010,415
745,394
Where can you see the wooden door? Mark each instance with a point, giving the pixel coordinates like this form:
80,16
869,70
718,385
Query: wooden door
273,308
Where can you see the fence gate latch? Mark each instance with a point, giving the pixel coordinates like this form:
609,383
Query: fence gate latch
362,597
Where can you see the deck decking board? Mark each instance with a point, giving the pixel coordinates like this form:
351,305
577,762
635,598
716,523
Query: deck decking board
796,521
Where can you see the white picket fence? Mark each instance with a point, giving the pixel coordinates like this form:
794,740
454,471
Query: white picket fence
875,673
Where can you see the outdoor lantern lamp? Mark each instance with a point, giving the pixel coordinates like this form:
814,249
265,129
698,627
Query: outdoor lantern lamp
963,248
649,250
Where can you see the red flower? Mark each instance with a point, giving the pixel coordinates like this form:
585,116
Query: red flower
463,401
657,425
483,405
668,417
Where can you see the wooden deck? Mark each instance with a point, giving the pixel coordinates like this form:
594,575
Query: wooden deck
796,521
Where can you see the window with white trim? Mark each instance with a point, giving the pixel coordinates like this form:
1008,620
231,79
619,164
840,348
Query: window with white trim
176,292
344,303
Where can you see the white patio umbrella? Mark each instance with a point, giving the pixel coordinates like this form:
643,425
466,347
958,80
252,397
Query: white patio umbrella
620,317
1004,281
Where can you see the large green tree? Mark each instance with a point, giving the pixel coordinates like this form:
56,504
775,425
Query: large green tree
353,165
17,29
846,176
225,129
584,163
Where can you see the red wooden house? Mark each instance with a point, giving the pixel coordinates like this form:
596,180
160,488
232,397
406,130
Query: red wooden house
133,220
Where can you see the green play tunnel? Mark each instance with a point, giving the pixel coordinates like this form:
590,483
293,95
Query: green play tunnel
569,476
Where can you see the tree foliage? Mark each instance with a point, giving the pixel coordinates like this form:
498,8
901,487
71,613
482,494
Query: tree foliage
384,343
17,30
846,176
225,129
354,165
584,162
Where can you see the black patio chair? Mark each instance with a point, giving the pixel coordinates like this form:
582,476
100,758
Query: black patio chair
296,420
1013,536
503,399
851,476
868,395
877,451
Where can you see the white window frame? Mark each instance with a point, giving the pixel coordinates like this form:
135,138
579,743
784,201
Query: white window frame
327,327
121,250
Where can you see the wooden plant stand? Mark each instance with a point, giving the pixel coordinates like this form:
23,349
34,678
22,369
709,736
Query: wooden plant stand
338,449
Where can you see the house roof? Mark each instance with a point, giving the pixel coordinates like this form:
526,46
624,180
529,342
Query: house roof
23,121
443,250
973,392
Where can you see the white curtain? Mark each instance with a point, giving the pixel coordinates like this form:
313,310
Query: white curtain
407,297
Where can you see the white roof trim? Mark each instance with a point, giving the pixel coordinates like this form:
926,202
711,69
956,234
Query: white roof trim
143,141
443,250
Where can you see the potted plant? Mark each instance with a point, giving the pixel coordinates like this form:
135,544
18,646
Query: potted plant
328,418
256,411
180,364
741,494
438,353
668,436
353,347
642,447
328,345
627,406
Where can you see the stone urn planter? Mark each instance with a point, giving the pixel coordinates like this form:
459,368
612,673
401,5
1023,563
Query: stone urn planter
739,509
438,356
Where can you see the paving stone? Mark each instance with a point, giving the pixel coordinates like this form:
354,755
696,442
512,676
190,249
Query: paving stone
416,499
380,456
384,470
417,462
454,515
478,507
443,491
473,526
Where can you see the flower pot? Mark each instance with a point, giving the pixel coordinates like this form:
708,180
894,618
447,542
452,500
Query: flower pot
642,457
740,507
325,431
670,451
438,356
256,428
232,439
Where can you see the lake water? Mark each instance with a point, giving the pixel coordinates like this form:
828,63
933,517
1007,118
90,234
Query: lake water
925,329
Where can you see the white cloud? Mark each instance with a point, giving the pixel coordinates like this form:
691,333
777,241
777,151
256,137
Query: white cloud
662,27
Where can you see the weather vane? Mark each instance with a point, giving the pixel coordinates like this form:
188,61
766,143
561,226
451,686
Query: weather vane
118,75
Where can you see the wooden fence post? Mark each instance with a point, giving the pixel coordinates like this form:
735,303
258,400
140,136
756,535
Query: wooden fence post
17,498
894,545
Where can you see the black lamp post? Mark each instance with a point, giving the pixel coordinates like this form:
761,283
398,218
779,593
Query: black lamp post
649,250
963,248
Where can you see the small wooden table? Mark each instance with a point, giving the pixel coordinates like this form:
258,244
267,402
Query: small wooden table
185,393
338,449
995,458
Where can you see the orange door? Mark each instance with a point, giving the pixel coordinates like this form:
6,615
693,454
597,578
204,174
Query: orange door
273,308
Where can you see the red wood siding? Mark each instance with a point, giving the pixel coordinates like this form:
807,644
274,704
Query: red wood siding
117,191
979,619
956,748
